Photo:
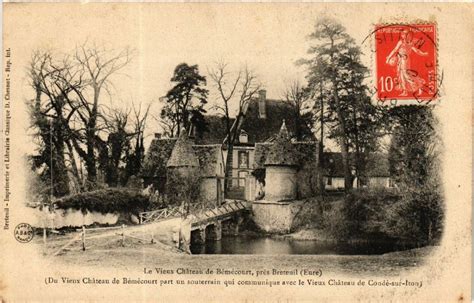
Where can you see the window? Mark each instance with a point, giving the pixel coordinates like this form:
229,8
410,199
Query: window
329,181
243,159
242,176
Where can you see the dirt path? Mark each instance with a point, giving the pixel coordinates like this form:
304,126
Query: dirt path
97,239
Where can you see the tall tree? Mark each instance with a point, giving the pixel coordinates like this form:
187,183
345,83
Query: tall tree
68,93
415,166
134,159
50,116
335,66
320,94
121,155
185,101
96,66
112,151
298,97
237,89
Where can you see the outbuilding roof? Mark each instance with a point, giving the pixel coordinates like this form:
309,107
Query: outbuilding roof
282,151
183,154
258,129
159,154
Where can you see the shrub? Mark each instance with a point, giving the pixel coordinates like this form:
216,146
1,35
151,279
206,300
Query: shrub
413,217
417,217
109,200
183,186
361,215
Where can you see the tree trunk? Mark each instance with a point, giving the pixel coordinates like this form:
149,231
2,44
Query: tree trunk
321,144
59,176
74,168
228,167
347,168
357,150
90,142
342,125
90,157
343,142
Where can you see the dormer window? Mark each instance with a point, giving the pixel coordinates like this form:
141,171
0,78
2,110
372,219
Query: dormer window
243,137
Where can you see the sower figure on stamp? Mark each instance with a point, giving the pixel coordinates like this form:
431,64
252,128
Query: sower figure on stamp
408,80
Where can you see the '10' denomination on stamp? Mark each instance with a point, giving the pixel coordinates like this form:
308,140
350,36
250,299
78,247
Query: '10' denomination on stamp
406,66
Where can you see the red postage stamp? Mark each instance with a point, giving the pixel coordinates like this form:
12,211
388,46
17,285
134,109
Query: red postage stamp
406,67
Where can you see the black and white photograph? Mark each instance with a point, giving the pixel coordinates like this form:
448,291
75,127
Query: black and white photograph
158,151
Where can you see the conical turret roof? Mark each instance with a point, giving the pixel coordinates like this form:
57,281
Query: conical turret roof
282,152
183,154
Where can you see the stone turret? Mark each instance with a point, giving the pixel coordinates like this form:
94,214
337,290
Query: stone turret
182,173
183,155
281,167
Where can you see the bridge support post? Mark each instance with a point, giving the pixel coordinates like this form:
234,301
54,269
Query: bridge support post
215,231
237,223
198,236
232,227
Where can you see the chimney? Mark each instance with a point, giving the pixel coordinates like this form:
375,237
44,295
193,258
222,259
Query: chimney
262,110
157,135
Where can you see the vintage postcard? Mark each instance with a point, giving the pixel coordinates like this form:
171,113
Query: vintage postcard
225,152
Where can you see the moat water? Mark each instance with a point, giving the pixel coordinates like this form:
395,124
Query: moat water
271,246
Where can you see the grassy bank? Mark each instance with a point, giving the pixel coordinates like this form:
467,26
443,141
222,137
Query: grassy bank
369,215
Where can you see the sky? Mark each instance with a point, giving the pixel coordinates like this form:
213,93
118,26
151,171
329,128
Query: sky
269,39
269,42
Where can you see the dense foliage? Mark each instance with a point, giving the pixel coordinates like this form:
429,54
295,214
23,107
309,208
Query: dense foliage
415,166
361,215
110,200
414,217
184,103
183,186
336,80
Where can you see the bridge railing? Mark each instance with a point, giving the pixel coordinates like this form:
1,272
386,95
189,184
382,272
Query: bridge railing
160,214
221,211
200,210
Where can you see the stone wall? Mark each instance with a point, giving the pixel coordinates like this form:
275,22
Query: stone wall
281,183
208,189
308,172
275,217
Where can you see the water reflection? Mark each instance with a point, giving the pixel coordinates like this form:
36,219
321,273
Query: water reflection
271,246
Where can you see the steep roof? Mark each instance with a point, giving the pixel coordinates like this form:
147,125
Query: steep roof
306,152
282,151
157,155
258,129
183,154
263,129
208,156
216,130
261,152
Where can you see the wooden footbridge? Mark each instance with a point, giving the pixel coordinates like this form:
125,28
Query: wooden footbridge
206,222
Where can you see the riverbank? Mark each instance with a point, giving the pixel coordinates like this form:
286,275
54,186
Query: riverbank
108,252
310,234
135,258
